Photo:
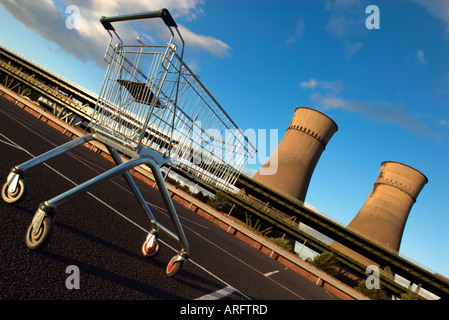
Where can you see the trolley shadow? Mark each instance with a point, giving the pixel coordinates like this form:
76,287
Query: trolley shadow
151,110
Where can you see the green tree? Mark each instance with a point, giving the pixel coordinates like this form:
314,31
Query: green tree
220,202
410,295
202,197
373,294
283,243
327,262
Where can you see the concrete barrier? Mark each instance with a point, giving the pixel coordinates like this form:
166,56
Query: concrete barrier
233,226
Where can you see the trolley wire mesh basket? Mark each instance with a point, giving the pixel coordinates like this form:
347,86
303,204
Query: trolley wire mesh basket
154,110
150,99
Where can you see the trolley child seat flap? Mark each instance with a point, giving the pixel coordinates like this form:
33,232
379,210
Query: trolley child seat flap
154,110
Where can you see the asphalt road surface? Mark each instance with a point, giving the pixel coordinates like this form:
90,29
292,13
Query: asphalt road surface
99,236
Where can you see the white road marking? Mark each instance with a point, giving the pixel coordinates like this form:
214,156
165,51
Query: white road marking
126,218
219,294
140,227
84,162
271,273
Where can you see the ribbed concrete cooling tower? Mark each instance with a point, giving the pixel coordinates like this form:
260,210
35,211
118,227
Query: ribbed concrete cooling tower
298,153
383,216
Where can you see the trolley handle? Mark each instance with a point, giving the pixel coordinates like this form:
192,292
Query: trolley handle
163,13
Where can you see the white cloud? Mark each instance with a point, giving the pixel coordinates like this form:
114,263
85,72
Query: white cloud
333,4
89,41
351,48
437,8
345,17
338,25
421,58
214,46
334,86
345,21
311,84
444,123
298,31
376,110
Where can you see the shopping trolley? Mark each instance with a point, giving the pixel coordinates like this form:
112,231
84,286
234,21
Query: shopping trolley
153,111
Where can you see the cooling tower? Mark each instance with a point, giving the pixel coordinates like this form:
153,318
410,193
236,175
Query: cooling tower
383,216
298,153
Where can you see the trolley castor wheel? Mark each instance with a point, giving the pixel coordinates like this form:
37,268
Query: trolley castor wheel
150,247
175,265
40,230
15,188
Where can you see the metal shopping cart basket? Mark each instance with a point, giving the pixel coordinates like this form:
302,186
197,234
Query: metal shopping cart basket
152,110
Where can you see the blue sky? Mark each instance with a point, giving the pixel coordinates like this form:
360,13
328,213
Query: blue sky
387,89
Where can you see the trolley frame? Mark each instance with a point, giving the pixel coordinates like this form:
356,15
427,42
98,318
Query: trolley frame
134,106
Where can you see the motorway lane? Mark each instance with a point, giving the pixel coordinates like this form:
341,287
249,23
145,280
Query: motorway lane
102,233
